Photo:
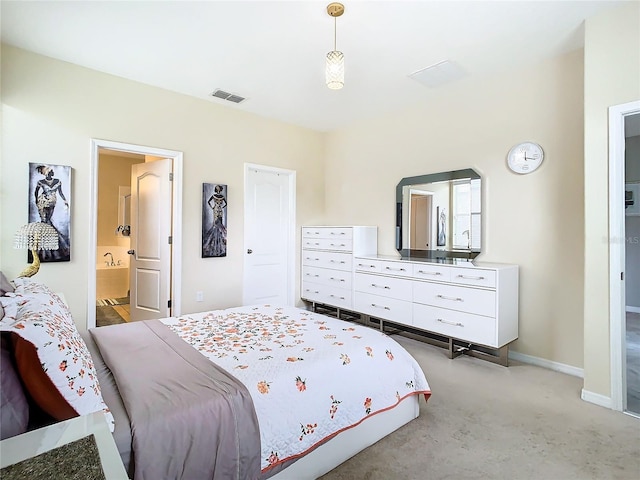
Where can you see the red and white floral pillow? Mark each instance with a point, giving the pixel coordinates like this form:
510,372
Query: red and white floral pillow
48,336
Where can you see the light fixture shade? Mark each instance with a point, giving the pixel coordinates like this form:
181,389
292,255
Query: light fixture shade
36,236
335,70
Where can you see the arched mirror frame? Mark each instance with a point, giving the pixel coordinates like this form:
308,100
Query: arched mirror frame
436,253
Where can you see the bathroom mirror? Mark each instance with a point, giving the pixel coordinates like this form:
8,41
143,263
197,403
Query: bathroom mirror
124,211
439,215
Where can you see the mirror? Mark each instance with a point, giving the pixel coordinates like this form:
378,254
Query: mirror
124,211
439,215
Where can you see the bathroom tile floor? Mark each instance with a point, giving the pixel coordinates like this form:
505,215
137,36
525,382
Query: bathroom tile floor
107,316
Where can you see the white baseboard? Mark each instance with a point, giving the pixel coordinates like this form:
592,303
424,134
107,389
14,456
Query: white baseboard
633,309
544,363
596,398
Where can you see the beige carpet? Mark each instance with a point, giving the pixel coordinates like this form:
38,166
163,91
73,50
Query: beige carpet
485,421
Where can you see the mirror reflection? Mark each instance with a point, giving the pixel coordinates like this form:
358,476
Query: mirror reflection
439,214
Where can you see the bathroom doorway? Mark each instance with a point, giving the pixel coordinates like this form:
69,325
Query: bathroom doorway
113,240
632,261
624,255
111,284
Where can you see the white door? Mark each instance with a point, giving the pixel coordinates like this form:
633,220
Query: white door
269,236
150,254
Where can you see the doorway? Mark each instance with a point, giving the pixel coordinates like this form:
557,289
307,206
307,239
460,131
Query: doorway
624,231
269,235
113,241
117,256
420,226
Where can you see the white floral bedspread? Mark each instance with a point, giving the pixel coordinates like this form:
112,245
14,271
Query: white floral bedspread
310,376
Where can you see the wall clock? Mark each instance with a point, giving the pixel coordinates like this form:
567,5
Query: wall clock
525,157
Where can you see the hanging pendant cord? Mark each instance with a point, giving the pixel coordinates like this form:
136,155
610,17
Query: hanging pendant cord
335,32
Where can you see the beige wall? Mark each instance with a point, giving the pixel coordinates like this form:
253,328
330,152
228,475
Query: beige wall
52,109
534,220
611,77
113,172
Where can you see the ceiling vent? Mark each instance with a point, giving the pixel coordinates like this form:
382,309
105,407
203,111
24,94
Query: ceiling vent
228,96
439,73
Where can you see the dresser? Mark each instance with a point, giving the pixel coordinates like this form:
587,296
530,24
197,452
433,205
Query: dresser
327,262
472,307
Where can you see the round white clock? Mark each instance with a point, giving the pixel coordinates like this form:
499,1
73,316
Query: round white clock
525,157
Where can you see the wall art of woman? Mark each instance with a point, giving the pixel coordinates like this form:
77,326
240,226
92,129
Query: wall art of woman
47,184
214,221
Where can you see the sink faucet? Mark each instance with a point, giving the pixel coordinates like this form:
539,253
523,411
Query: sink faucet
112,264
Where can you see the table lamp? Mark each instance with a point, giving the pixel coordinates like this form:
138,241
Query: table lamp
35,236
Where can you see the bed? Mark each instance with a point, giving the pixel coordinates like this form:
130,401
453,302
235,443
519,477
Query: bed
254,392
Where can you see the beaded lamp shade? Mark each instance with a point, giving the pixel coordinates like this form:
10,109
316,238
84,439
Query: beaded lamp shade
35,236
334,70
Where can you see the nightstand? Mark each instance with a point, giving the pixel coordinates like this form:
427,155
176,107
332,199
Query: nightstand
36,442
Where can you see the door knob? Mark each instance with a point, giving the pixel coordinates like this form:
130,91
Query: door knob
131,252
249,251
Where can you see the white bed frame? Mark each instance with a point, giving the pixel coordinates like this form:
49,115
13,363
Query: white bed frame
349,442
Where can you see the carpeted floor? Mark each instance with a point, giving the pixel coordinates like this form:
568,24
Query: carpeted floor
485,421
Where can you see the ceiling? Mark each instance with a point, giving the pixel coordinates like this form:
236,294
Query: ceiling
273,53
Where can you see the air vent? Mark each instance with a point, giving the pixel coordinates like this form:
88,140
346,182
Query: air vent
439,73
228,96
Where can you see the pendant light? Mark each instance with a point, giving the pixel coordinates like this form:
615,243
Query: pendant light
335,59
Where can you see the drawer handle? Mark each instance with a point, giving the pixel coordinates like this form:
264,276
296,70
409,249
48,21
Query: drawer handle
455,299
429,273
315,259
335,296
381,286
313,243
335,261
380,306
368,266
455,324
309,275
337,244
337,279
468,277
396,269
334,233
307,290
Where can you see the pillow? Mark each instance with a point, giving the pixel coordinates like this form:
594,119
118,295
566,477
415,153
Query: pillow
14,407
5,285
49,338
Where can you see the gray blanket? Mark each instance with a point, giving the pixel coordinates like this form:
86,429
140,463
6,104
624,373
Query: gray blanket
189,418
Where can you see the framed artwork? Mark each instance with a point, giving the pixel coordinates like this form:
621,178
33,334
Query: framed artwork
632,199
50,202
442,226
214,220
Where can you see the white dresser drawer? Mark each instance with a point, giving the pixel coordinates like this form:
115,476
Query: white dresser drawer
387,267
366,265
391,287
312,291
317,258
429,271
326,276
475,277
339,297
343,244
463,326
340,233
383,307
464,299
